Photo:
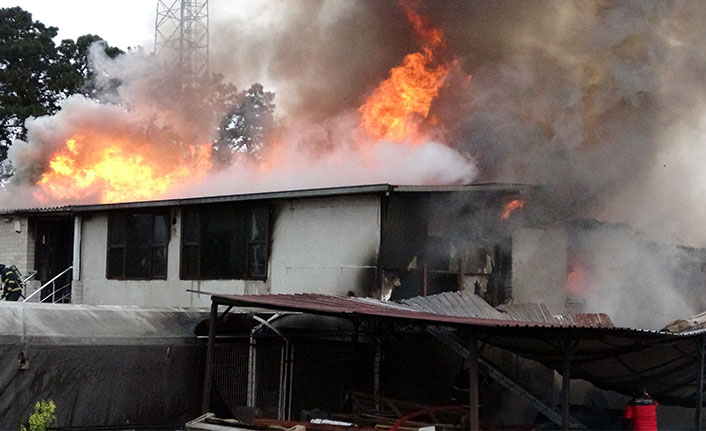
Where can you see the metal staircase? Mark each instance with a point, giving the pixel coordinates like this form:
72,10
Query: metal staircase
454,342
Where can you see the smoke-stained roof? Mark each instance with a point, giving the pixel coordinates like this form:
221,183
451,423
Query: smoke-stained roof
610,357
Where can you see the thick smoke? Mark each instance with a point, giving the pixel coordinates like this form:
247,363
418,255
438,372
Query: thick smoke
138,100
135,104
599,101
299,162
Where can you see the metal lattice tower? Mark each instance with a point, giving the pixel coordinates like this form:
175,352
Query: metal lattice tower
181,35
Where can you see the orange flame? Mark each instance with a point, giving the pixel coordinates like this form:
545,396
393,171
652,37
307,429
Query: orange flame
398,106
577,279
117,170
511,206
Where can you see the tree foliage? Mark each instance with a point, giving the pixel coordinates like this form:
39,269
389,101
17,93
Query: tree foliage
35,74
43,417
246,126
74,71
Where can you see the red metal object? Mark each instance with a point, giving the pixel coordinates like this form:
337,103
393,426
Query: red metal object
426,411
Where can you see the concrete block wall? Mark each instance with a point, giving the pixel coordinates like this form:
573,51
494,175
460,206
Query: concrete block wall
17,248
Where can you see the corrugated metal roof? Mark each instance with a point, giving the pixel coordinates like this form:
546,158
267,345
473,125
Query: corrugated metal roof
540,312
445,308
690,324
476,187
611,358
463,308
48,210
283,194
470,305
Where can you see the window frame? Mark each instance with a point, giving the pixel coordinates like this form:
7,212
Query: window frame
124,248
196,246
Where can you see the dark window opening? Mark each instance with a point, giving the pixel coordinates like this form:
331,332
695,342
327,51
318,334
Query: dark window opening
225,242
137,246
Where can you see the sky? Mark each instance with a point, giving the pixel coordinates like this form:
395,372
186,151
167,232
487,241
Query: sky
127,23
131,23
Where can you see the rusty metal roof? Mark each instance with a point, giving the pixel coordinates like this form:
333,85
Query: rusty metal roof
609,357
470,305
447,308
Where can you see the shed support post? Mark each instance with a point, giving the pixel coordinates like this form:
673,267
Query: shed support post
699,401
376,373
208,375
473,418
567,348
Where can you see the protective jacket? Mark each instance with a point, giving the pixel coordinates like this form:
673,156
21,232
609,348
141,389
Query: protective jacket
12,289
642,413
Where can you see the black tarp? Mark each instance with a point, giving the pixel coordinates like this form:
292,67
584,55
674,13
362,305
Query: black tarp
101,365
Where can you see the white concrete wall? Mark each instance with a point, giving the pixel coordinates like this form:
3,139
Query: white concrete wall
326,245
539,267
317,246
97,289
17,247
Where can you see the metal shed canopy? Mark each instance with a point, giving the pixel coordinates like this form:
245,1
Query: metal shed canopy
667,364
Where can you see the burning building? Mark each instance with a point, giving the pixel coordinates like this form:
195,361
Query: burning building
465,154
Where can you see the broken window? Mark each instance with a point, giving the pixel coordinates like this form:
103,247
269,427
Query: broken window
137,246
225,242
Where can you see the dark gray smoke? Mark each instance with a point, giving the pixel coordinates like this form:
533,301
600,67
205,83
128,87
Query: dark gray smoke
599,100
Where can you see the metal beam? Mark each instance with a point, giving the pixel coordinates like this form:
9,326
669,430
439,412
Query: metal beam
473,417
567,348
208,375
699,401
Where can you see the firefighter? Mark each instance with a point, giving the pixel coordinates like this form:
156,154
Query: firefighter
641,411
12,288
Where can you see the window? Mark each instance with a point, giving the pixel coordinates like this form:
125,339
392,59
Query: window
224,242
137,246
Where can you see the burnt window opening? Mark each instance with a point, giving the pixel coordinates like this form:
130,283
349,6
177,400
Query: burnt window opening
137,246
451,243
223,242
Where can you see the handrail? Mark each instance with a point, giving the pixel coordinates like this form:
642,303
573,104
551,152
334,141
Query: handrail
49,282
66,295
51,298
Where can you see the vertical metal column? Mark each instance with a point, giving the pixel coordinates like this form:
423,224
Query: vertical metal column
291,381
206,401
77,250
252,374
376,373
567,348
699,401
425,280
473,418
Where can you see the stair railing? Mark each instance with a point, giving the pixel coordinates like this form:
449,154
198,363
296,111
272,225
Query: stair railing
52,283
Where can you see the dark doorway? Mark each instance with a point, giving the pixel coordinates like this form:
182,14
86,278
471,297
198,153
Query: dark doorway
54,254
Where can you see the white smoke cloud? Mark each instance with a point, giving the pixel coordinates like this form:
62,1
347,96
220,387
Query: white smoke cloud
383,162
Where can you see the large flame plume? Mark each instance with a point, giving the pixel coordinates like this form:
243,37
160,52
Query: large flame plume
124,163
398,106
136,143
116,170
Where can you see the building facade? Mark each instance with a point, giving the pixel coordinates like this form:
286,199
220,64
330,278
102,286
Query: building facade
379,241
